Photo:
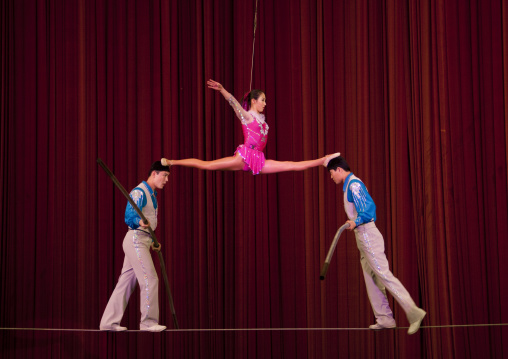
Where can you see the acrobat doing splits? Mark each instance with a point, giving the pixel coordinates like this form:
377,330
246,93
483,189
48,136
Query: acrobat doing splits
361,211
249,156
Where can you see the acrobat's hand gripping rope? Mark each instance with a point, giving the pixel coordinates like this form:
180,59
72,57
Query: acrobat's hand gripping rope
331,250
152,234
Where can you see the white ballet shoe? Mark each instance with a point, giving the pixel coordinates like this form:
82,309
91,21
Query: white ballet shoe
166,162
330,157
115,328
154,328
415,324
378,326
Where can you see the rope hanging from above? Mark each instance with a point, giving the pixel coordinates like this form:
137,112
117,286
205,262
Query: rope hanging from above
253,42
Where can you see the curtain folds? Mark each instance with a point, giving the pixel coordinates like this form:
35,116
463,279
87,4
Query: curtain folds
412,93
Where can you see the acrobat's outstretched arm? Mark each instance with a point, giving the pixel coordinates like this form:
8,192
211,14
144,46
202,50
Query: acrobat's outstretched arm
239,110
214,85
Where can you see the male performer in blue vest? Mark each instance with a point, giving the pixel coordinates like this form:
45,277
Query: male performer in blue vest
138,265
361,211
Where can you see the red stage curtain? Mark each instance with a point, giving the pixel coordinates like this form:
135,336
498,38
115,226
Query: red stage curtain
412,93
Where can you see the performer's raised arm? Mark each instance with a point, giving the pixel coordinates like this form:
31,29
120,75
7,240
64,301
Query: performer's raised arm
240,112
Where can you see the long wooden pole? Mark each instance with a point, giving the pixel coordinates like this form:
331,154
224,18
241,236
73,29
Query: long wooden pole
331,250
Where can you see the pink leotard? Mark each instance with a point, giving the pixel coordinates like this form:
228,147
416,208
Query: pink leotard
255,133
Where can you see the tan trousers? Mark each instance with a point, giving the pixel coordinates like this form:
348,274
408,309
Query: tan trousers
378,277
137,267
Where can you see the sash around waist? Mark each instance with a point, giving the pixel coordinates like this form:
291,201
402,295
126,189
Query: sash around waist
365,226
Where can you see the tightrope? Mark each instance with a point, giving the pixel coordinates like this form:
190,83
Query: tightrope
262,329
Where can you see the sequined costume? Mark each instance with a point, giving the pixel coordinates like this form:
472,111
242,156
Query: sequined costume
255,133
361,209
137,266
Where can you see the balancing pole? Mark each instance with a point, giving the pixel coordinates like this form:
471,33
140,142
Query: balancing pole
331,250
152,234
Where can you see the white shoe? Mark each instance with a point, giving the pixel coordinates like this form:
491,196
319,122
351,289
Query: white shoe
378,326
166,162
155,328
116,328
330,157
415,325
